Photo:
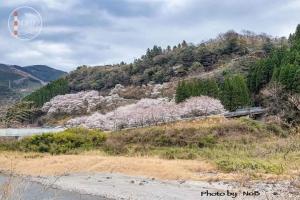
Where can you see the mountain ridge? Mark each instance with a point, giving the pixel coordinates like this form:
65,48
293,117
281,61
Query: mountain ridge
33,71
43,72
17,82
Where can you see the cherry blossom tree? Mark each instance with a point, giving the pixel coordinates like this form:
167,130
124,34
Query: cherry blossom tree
150,112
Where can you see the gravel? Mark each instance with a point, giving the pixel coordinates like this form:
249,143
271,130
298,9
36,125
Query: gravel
118,186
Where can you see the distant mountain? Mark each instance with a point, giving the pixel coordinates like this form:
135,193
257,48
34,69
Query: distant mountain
16,81
43,72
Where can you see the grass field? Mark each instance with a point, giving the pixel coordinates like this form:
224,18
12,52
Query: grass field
213,148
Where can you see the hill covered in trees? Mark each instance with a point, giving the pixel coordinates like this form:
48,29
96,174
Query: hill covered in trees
272,81
241,70
231,52
275,80
160,65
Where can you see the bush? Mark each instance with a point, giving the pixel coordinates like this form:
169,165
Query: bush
176,153
207,141
277,130
253,125
263,128
63,142
234,165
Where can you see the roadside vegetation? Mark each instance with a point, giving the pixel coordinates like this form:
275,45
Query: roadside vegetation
59,143
238,146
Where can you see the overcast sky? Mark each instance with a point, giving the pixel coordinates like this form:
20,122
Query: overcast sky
94,32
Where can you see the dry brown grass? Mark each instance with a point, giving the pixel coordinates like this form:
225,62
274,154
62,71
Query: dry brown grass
42,164
203,123
34,164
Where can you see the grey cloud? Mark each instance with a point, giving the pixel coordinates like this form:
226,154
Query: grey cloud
109,31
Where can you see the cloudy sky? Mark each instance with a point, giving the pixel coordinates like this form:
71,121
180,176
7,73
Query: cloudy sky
95,32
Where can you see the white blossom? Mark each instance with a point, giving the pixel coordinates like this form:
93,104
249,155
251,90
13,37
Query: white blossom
150,112
200,106
117,89
81,103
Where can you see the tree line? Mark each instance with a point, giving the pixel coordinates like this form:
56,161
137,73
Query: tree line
233,92
45,94
161,65
282,66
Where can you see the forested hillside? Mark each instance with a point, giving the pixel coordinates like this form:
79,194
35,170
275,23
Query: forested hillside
241,70
17,82
275,81
230,53
162,65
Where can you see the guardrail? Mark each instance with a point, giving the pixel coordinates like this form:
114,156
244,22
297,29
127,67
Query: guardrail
247,111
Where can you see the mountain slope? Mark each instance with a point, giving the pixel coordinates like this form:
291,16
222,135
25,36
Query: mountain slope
230,61
43,72
35,73
233,51
16,81
230,53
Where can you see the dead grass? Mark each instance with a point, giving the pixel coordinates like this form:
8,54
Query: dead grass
203,123
35,164
43,164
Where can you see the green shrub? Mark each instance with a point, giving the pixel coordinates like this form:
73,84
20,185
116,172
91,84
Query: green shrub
234,165
178,153
277,130
63,142
207,141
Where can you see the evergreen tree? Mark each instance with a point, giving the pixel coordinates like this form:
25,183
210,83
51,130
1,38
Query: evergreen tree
195,87
45,94
268,46
286,75
296,81
213,89
276,74
242,93
182,92
235,93
268,69
227,94
148,53
187,57
295,40
168,48
184,44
